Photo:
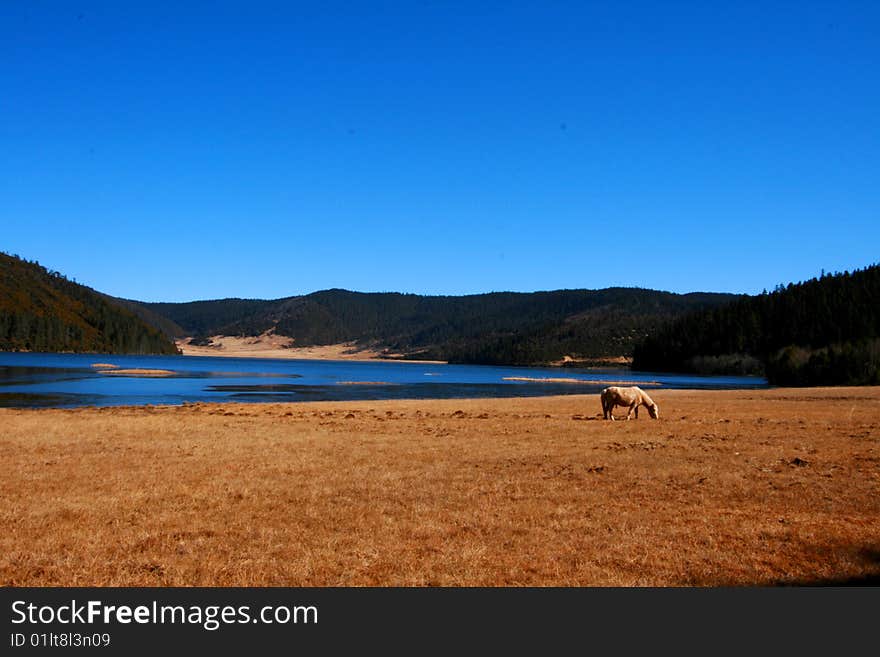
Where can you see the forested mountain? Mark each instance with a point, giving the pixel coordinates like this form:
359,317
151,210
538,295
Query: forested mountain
499,327
40,310
170,328
823,331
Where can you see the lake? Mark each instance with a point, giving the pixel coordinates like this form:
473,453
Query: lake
67,380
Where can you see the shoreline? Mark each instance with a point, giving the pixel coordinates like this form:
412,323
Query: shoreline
805,394
251,347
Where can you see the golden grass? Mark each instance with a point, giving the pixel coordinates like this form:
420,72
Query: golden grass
729,488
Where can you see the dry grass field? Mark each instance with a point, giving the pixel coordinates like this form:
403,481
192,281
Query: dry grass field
727,488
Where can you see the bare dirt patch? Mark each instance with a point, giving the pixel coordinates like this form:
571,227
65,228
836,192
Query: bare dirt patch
270,345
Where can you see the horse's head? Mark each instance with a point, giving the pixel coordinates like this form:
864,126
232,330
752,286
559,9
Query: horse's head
654,411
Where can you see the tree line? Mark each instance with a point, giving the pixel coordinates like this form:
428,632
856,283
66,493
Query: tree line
492,328
41,310
821,331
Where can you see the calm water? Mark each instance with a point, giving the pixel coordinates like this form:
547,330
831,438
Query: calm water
33,380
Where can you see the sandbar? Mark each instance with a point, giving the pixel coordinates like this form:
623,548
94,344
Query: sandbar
530,379
136,371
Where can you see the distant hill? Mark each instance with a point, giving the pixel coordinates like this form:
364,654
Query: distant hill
169,328
40,310
499,327
824,331
201,318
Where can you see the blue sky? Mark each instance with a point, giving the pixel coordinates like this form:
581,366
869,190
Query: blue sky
167,152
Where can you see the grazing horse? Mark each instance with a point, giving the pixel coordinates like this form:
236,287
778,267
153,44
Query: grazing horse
632,397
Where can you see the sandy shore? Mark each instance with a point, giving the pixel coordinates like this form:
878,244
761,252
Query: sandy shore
277,346
727,488
599,361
